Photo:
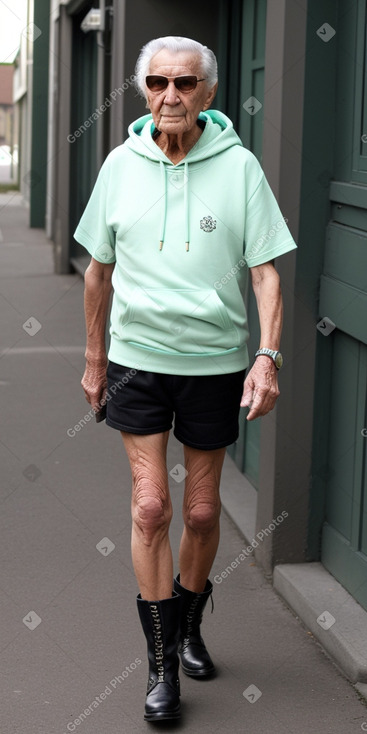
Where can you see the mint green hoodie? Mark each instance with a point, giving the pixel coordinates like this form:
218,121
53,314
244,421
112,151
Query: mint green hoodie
183,237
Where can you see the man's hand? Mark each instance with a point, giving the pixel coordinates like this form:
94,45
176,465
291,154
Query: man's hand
97,291
94,382
260,389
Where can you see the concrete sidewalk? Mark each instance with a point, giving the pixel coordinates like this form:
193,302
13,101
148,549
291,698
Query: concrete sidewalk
72,652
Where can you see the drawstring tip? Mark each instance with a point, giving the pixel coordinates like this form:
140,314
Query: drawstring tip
187,246
161,244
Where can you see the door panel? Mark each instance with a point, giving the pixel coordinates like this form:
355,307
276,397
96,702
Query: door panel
83,126
343,299
343,410
246,451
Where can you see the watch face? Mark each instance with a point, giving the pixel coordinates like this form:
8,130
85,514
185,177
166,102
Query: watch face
278,360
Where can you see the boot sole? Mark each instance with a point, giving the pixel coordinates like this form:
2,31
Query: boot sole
163,715
198,673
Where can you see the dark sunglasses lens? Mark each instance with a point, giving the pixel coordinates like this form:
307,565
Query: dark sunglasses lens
156,83
186,83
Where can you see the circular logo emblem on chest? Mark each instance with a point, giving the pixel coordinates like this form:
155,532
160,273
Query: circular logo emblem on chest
208,224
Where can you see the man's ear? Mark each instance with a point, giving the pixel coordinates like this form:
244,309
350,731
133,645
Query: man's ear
211,94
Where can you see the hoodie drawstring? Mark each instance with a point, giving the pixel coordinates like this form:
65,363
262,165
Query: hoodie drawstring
186,205
164,213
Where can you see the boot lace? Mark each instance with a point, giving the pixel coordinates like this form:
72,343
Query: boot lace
191,616
158,642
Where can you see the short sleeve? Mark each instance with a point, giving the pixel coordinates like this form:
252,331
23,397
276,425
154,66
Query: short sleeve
266,233
93,232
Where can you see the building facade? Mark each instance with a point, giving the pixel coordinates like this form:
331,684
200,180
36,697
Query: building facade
292,80
30,94
6,104
8,124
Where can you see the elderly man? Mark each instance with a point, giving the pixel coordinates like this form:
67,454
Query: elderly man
179,215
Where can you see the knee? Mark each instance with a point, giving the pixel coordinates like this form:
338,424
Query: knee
151,510
203,516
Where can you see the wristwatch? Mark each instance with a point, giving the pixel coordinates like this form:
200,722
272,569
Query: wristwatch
274,355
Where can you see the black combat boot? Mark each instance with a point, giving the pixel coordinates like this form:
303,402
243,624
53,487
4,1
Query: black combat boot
195,659
160,621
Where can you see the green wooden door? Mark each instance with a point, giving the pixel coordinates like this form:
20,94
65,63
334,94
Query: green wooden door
242,63
83,165
343,299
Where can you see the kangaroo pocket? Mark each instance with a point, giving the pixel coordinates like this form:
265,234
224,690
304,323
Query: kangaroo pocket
179,321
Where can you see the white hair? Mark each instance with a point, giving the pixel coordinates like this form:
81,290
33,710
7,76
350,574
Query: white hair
175,44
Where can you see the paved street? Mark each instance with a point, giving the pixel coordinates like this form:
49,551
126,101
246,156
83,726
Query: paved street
72,651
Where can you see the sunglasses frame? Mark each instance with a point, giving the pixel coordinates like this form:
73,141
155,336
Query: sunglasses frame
173,79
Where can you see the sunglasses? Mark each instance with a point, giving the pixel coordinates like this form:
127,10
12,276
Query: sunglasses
157,83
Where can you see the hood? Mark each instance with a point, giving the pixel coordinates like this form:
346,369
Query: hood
218,135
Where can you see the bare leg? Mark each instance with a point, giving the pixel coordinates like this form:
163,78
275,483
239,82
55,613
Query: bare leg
151,514
201,512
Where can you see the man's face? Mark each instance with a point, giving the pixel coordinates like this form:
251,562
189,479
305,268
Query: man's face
176,112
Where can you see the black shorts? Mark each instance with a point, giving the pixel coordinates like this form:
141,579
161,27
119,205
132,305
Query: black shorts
205,408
